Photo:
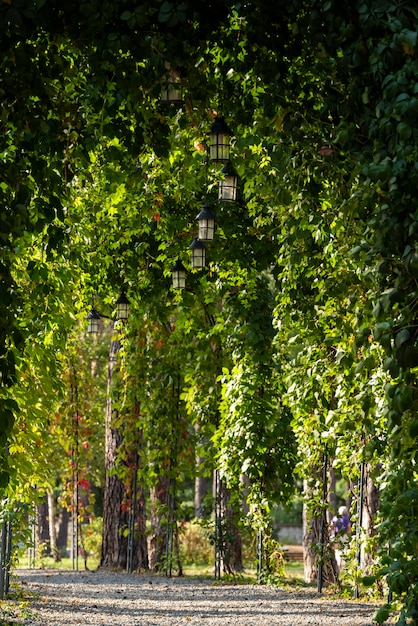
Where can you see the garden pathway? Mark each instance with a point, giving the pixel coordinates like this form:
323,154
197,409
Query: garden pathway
66,598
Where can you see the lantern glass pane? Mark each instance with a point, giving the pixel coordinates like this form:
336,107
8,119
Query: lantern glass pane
122,311
219,147
198,258
171,92
93,326
179,279
228,189
206,229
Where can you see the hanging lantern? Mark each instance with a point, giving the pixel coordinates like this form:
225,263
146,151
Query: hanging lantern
122,307
171,89
179,275
198,249
220,135
93,319
228,186
206,222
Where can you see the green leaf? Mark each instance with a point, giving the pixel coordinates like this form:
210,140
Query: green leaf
379,329
166,12
391,365
4,479
410,37
6,420
402,337
404,130
382,615
368,581
413,429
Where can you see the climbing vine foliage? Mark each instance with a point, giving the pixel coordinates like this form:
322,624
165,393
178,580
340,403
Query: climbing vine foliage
301,333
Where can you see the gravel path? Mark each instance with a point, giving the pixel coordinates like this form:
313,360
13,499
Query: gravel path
65,598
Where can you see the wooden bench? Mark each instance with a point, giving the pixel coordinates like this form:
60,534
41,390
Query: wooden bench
293,553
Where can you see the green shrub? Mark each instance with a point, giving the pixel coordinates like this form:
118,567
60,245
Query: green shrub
195,544
92,537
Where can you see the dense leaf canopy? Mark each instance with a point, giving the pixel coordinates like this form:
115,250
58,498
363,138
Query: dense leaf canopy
303,327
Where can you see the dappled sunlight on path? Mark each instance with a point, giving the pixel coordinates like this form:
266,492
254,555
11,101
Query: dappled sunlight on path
114,599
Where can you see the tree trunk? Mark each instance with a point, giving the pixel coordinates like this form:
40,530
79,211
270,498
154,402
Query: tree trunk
157,544
140,561
371,502
43,538
116,509
244,480
316,534
200,491
62,535
115,519
52,527
200,485
231,541
310,531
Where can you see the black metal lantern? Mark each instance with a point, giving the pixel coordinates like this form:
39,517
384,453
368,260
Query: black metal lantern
198,249
93,319
171,89
220,135
228,186
122,307
178,275
206,221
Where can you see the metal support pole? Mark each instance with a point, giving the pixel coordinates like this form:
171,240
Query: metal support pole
131,538
218,526
359,522
170,534
322,529
390,592
2,560
8,556
74,528
172,483
74,465
74,518
260,554
32,549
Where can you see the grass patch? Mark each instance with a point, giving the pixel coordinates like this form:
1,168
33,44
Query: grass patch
16,607
65,563
293,570
294,573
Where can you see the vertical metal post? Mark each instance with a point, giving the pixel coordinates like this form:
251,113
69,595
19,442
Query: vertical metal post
131,537
72,539
172,525
32,548
8,556
5,556
74,461
169,536
260,554
322,529
172,481
218,526
359,522
2,559
390,592
74,527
